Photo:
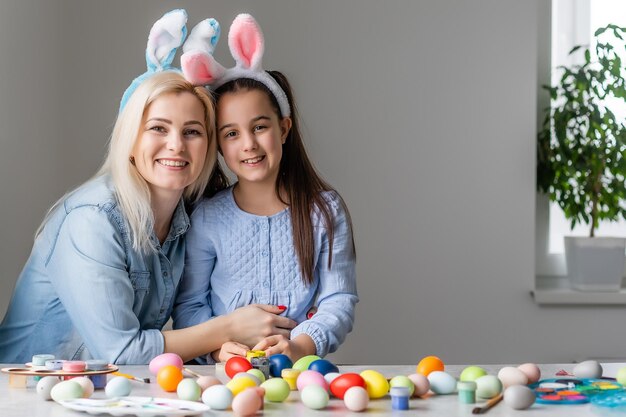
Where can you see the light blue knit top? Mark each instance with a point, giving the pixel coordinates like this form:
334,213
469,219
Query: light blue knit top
235,258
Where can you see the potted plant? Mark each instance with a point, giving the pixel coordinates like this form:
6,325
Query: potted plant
581,158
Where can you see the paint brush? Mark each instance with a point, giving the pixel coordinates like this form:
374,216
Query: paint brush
192,373
492,402
134,378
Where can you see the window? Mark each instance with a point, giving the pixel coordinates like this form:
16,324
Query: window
573,23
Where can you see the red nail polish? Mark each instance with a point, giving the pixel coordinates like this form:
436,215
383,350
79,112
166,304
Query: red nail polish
282,308
308,316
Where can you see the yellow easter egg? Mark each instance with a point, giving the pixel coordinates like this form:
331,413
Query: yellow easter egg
376,384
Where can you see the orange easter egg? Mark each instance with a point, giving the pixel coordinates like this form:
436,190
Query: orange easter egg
168,378
429,364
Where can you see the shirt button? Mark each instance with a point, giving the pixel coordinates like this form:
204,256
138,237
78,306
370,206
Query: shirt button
164,273
266,284
264,253
265,226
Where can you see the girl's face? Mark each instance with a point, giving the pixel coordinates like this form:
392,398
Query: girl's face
172,144
250,135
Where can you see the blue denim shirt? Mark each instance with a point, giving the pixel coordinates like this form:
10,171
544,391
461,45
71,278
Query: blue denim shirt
235,258
85,293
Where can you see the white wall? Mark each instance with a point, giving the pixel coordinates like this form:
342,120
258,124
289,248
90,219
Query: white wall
422,114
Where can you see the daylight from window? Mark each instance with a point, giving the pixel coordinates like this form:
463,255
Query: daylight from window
602,13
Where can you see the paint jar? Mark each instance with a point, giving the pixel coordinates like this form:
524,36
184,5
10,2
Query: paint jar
74,367
467,392
99,381
290,376
54,364
40,360
399,398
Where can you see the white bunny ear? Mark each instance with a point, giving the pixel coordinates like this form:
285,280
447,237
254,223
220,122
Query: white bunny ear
166,36
246,43
197,63
203,37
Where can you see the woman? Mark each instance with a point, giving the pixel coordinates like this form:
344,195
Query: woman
101,278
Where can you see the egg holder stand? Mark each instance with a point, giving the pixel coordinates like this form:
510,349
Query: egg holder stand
19,376
563,391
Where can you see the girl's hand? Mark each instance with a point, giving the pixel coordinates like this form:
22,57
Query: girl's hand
255,322
300,346
228,350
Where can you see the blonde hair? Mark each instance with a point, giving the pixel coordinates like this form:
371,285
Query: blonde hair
131,188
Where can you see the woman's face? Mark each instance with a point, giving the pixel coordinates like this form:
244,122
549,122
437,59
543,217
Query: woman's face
172,144
251,135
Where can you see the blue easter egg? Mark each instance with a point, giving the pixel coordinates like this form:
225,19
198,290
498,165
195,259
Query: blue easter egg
279,362
323,366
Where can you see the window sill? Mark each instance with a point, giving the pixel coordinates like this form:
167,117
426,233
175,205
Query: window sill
550,290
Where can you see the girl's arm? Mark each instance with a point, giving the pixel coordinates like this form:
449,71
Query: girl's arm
337,294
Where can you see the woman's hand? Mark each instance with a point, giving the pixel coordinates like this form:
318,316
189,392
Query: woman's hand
301,346
228,350
255,322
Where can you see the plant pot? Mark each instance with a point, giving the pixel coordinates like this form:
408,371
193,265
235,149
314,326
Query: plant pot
595,263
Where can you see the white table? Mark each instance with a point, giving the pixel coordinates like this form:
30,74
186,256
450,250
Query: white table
25,402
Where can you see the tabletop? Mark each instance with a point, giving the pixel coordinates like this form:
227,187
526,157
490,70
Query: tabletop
26,402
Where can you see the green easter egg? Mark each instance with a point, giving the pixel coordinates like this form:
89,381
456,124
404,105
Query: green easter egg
258,373
472,373
488,386
276,390
303,363
66,390
403,381
621,376
314,397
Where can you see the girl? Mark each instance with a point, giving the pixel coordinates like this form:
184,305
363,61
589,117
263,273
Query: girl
280,235
101,278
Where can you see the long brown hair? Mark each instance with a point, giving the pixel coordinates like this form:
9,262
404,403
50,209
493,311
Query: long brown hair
302,184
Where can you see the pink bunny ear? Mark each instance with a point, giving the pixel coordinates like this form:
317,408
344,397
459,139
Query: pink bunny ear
200,68
246,43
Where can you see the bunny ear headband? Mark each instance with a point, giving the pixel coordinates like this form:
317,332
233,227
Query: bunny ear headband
166,36
247,45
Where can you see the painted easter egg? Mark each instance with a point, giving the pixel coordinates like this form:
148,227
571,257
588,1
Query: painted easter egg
532,371
44,386
429,364
510,376
251,375
276,390
217,397
343,382
488,386
356,399
421,383
239,384
189,390
621,376
235,365
66,390
323,366
247,403
330,377
118,387
402,381
279,362
163,360
376,384
314,397
519,397
311,377
86,384
257,373
588,369
304,362
441,382
207,381
472,373
168,377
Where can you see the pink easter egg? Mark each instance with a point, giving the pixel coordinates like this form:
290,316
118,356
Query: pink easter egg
532,371
247,402
311,377
207,381
422,384
163,360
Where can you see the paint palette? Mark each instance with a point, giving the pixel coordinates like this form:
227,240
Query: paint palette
43,371
573,391
138,406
